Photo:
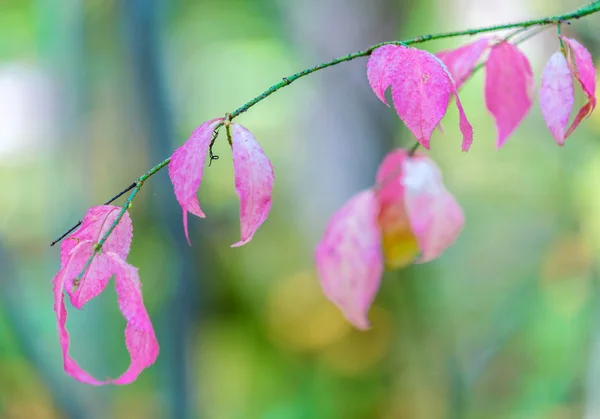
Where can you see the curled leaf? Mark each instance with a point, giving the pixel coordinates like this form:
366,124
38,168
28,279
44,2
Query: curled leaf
508,88
254,179
585,73
187,167
349,260
139,335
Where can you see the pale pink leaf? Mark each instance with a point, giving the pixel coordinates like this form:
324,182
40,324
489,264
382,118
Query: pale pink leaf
585,73
509,88
421,89
187,167
94,225
462,60
349,259
435,216
139,335
69,270
254,179
557,96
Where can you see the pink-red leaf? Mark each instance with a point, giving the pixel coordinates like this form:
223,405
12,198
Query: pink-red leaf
557,96
461,61
508,88
585,73
254,179
349,260
421,89
186,169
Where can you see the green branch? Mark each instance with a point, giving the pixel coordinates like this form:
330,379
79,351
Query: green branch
286,81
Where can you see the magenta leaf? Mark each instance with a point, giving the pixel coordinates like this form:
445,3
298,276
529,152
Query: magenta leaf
254,179
421,89
557,96
139,335
93,227
435,216
461,61
349,259
186,169
508,88
585,73
76,250
95,223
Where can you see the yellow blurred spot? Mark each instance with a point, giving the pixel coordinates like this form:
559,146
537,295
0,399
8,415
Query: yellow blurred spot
360,351
299,315
400,247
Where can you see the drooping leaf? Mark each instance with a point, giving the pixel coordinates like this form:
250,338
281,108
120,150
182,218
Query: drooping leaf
462,60
421,89
557,96
349,260
254,179
435,216
585,73
508,88
187,167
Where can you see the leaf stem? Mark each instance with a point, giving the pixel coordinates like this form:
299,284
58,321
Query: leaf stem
286,81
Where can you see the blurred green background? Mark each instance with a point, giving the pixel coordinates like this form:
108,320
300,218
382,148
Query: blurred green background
94,92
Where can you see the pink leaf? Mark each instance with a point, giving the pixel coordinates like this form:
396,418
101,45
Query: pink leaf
585,73
435,216
186,169
93,227
254,178
139,335
349,260
95,223
461,61
421,89
508,88
70,269
557,96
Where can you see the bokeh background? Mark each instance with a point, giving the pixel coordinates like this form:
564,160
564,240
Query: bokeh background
93,92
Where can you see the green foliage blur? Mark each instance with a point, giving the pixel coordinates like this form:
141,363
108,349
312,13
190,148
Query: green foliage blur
94,92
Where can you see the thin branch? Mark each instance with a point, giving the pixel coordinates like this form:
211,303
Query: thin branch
110,201
286,81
